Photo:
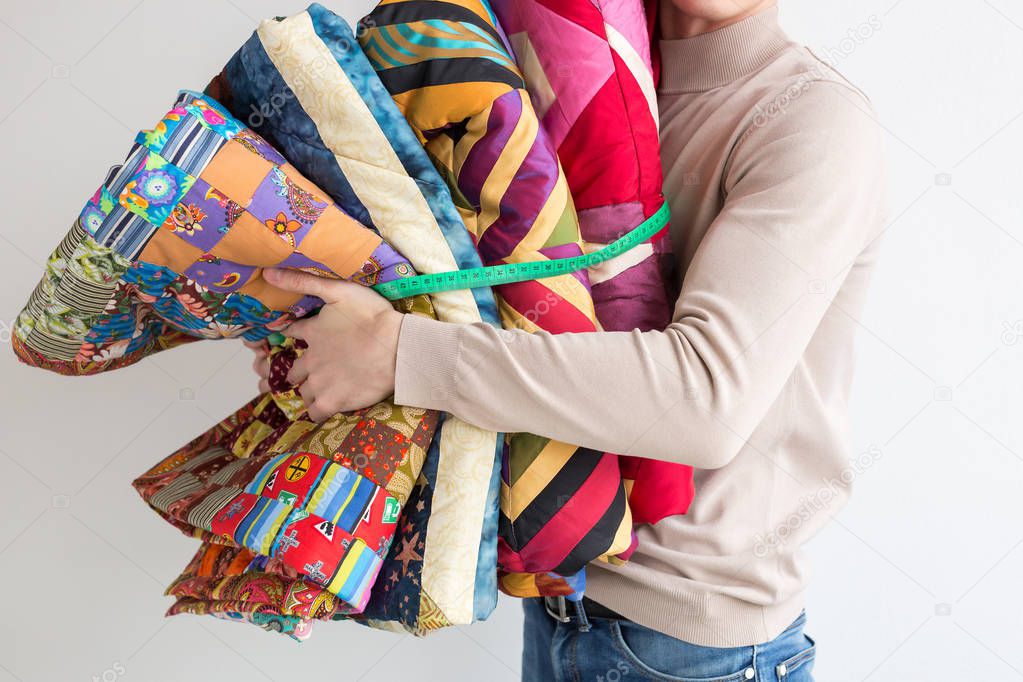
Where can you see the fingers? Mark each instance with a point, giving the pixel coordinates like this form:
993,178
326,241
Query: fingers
298,330
330,290
316,407
321,400
318,412
261,367
299,372
260,351
302,283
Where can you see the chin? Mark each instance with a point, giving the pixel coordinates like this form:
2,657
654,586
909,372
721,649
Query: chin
716,10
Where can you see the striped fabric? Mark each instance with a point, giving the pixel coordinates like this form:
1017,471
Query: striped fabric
449,70
598,104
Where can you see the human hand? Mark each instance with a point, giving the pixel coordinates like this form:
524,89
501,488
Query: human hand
352,344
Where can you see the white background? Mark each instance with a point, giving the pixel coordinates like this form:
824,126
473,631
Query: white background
917,579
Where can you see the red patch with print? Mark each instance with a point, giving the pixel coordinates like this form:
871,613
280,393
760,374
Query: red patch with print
226,521
376,527
313,546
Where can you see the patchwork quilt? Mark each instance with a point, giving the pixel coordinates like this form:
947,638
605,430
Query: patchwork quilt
598,104
235,583
171,247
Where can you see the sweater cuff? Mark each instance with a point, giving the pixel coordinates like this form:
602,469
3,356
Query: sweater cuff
424,373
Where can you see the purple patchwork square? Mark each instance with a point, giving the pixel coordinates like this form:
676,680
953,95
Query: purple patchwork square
203,216
257,144
300,261
383,265
284,207
219,275
305,305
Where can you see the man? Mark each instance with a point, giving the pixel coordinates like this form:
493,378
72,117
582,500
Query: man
774,174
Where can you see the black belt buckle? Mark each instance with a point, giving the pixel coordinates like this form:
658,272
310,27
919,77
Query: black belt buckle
557,609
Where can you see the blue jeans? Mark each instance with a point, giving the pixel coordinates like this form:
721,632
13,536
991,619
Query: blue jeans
622,651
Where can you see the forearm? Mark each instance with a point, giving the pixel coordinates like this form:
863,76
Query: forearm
611,391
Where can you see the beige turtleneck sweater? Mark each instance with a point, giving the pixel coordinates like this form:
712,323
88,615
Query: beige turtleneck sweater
773,170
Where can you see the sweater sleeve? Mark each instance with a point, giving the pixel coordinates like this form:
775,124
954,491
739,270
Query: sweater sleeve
802,189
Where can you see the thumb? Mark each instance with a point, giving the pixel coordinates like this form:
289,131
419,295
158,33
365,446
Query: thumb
330,290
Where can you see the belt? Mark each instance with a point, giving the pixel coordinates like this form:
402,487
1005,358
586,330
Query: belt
564,611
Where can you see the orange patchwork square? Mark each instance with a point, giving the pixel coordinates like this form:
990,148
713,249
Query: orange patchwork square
339,242
166,248
250,242
270,296
236,172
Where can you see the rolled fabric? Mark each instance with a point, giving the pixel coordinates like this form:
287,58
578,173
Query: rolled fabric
173,245
598,104
269,478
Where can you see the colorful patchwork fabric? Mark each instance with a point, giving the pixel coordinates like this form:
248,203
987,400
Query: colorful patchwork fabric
237,584
450,72
172,245
322,499
157,259
296,628
598,105
300,84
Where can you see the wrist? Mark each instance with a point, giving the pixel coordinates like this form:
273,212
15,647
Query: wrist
427,366
388,328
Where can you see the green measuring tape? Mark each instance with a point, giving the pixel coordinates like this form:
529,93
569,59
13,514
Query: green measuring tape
494,275
514,272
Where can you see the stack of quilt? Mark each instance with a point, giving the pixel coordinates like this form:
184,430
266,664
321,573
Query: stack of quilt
421,143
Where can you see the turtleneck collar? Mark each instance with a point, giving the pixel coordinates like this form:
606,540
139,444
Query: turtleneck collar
710,60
